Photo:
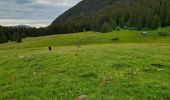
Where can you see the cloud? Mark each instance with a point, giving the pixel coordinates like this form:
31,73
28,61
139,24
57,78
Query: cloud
34,23
24,1
45,11
59,2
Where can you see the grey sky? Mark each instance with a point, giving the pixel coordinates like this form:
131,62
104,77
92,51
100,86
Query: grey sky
32,12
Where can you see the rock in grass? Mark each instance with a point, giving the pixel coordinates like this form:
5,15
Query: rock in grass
21,57
82,97
35,73
160,69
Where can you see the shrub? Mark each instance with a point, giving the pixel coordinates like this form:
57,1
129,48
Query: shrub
89,75
115,39
118,66
106,28
125,27
132,28
118,28
157,65
163,33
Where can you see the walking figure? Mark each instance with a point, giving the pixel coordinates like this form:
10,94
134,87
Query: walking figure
49,48
78,46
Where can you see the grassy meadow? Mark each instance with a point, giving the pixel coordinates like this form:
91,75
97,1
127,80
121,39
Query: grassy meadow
86,38
132,66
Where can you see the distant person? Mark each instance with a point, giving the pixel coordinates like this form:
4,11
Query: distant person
78,46
49,48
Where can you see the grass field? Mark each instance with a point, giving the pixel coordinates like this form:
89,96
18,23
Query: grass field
133,67
85,38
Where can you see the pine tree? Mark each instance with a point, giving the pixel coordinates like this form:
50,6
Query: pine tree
163,12
3,38
155,22
106,28
140,23
112,22
17,37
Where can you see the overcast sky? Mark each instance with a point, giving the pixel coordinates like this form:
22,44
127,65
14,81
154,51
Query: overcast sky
32,12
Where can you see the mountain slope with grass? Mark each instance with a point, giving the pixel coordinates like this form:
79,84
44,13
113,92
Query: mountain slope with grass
161,35
119,65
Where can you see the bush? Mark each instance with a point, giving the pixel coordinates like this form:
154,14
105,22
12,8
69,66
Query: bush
132,28
89,75
115,39
125,27
118,28
163,33
106,28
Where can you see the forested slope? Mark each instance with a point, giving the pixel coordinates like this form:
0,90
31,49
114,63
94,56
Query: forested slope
92,14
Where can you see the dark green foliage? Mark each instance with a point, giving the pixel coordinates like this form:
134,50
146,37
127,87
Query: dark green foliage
163,33
132,28
115,39
3,38
106,28
17,33
17,37
84,9
140,22
157,65
155,22
118,66
112,23
118,28
125,27
91,14
89,75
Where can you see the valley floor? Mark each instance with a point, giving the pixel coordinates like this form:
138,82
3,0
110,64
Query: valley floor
100,71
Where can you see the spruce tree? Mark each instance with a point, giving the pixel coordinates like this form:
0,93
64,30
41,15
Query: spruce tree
140,22
3,38
155,22
17,37
113,23
106,28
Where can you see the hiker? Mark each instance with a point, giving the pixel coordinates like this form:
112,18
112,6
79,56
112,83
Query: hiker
78,46
49,48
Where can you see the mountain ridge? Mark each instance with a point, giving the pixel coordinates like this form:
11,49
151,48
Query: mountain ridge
84,5
90,15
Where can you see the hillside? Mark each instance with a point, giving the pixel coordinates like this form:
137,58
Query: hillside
92,14
119,65
83,9
85,38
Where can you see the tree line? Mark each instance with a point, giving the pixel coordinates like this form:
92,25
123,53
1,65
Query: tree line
18,33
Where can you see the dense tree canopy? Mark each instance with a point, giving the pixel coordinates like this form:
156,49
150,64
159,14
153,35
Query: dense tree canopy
92,14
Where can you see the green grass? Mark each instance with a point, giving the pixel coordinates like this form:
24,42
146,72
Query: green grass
101,70
85,38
